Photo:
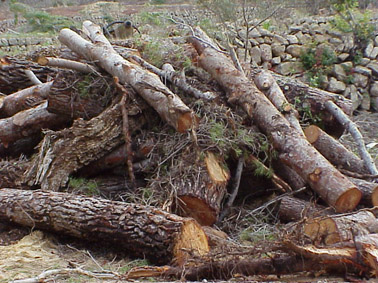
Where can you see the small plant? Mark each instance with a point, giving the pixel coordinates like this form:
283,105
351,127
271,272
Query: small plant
87,187
157,2
151,18
152,53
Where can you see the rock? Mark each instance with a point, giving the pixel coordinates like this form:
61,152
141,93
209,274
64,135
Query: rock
260,40
254,42
295,50
335,41
3,42
254,33
364,61
278,49
376,41
266,65
365,103
256,55
343,56
374,89
373,66
320,38
268,40
279,39
348,42
352,93
374,53
360,80
369,49
347,65
289,68
374,103
339,72
265,32
294,29
335,33
301,37
266,52
363,70
276,60
12,41
292,39
336,86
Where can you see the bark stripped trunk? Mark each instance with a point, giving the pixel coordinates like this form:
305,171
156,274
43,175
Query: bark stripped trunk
168,105
64,152
294,150
144,231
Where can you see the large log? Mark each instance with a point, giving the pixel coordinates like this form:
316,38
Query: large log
63,152
293,149
168,105
144,231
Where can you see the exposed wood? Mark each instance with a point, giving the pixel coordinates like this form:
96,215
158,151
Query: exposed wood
268,85
23,99
29,122
293,149
201,186
32,77
144,231
295,181
66,64
168,105
64,152
13,77
356,134
369,191
295,209
334,151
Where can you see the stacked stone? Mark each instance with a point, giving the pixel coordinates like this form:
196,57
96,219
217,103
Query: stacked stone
281,52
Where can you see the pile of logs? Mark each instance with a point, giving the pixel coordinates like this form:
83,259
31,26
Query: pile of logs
66,135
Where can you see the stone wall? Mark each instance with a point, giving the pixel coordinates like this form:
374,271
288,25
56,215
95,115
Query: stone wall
281,51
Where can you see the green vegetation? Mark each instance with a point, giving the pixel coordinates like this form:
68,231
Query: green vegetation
157,2
87,187
152,53
135,263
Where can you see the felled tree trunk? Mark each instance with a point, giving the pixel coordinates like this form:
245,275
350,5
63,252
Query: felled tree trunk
13,77
64,152
168,105
201,186
369,191
144,231
294,150
334,151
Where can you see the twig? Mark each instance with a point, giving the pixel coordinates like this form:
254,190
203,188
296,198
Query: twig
235,189
263,20
356,134
67,64
125,128
32,77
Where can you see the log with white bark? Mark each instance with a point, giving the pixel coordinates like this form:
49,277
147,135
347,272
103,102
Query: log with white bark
148,85
23,99
293,149
142,230
334,151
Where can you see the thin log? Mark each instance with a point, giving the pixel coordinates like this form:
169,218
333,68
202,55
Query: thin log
168,105
23,99
294,150
356,134
369,191
142,230
63,152
29,122
67,64
32,77
294,180
333,150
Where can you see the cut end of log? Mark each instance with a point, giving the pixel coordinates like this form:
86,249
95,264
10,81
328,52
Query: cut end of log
42,61
191,240
322,230
374,197
348,200
197,209
217,173
186,122
312,133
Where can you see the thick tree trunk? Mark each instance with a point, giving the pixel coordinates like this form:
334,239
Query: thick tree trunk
29,122
13,77
168,105
294,150
64,152
144,231
334,151
11,172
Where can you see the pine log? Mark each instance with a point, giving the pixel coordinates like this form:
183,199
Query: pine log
339,228
200,187
63,152
168,105
144,231
13,77
29,122
11,172
23,99
295,209
334,151
369,191
293,149
66,64
295,181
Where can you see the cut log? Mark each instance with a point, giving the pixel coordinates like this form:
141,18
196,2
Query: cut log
295,181
11,172
13,77
168,105
340,228
144,231
200,193
295,209
67,64
64,152
334,151
23,99
23,146
29,122
293,149
369,191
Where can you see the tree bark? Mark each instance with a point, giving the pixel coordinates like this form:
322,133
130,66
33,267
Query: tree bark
168,105
334,151
64,152
67,64
369,191
144,231
294,150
